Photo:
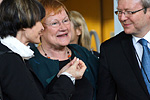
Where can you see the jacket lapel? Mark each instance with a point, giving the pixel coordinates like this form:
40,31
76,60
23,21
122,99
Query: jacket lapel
129,51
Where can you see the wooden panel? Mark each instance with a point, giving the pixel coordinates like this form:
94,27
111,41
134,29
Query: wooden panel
107,19
90,9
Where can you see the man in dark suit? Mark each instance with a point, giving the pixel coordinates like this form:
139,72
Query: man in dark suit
120,74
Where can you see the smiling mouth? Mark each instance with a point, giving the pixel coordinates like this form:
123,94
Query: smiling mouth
62,35
126,25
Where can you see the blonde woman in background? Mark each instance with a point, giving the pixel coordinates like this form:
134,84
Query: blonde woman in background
79,31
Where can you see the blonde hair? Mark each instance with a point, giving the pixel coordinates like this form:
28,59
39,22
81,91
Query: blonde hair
78,21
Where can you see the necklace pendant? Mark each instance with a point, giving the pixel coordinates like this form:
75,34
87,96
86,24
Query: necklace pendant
69,56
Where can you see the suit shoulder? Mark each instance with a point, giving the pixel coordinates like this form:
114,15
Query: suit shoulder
117,39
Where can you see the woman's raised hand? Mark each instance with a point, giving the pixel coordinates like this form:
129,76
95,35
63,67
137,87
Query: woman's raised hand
76,68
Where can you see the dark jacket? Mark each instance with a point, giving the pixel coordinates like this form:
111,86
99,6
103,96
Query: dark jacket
119,73
47,69
17,82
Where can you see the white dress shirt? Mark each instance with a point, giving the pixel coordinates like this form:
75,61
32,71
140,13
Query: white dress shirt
138,47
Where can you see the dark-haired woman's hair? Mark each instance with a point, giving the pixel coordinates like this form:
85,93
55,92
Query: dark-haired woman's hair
18,14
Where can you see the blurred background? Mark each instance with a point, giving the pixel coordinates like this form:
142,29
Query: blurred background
99,16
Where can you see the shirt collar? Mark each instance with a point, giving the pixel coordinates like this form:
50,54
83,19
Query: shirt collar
146,37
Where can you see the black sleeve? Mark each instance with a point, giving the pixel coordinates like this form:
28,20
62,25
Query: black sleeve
18,84
16,80
62,86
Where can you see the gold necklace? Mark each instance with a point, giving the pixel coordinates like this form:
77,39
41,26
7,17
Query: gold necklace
69,56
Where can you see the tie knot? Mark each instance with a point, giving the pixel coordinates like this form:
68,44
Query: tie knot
143,42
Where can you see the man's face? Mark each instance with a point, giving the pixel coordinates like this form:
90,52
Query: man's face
137,24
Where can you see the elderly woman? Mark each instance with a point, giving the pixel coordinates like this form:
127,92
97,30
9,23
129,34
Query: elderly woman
55,52
20,23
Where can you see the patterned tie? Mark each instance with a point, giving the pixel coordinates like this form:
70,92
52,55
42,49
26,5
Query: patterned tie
146,63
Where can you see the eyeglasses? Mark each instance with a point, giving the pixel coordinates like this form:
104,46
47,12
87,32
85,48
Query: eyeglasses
128,13
55,23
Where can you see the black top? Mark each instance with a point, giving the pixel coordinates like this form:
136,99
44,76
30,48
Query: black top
83,88
17,83
46,70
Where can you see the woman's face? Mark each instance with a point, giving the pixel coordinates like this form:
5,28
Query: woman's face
57,30
75,34
32,34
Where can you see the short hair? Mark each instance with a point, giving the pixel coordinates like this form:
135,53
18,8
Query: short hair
18,14
145,3
53,6
78,21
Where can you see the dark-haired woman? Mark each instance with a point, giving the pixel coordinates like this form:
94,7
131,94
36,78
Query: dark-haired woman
19,25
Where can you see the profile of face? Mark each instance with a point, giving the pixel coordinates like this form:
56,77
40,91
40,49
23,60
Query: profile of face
33,34
57,30
137,23
75,34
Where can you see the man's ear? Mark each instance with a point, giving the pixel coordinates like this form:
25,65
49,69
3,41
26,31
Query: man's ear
147,11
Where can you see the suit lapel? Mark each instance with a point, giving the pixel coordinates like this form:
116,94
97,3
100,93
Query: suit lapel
129,51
